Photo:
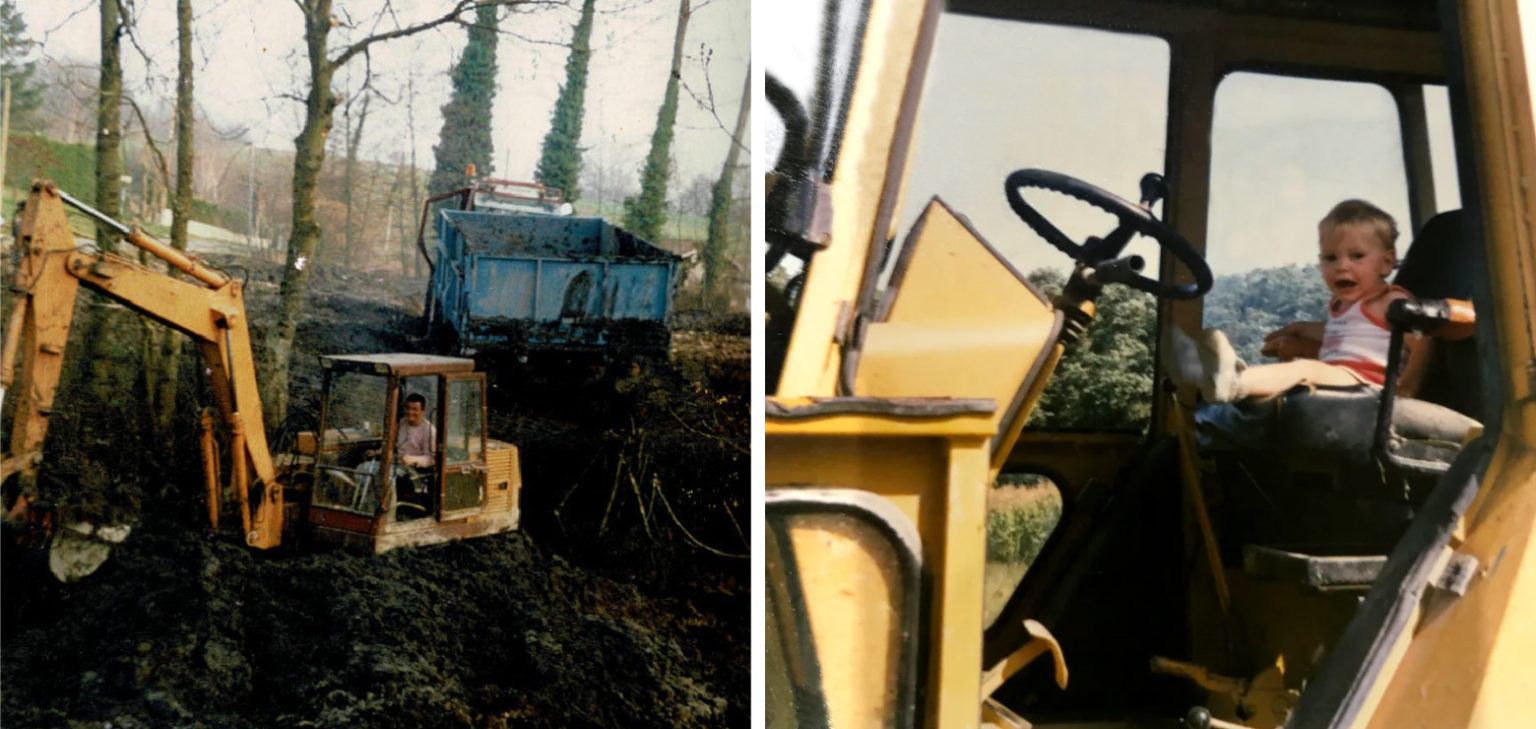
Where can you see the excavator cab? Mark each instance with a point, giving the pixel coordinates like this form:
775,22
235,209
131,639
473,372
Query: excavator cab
920,343
366,495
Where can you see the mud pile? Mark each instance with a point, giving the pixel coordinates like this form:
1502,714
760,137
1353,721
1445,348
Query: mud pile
622,601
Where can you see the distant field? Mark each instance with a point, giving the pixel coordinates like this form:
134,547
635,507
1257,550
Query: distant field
1020,517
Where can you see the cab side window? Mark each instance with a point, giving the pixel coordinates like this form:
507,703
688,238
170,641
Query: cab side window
1004,95
1285,150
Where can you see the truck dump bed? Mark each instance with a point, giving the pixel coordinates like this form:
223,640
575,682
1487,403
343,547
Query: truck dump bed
532,283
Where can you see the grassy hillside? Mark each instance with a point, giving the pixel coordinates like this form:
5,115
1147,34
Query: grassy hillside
73,168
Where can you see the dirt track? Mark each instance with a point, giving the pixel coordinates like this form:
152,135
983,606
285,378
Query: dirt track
622,601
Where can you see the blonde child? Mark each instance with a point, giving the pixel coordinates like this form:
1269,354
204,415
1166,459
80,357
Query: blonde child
1356,253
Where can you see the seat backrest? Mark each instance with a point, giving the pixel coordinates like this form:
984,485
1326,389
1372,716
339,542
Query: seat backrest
1437,266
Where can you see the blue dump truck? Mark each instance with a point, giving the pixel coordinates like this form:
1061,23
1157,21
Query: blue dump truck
513,272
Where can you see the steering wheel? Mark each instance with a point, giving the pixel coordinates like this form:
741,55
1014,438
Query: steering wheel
1134,220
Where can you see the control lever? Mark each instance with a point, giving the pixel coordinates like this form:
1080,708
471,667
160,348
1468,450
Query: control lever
1153,189
1118,270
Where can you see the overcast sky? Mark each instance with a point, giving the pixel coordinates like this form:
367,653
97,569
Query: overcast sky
1004,95
250,59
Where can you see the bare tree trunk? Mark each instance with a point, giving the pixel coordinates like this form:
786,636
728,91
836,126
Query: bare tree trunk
163,386
109,121
349,179
391,201
720,203
414,195
309,156
365,213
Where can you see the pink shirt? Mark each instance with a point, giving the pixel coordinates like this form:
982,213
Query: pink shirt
419,440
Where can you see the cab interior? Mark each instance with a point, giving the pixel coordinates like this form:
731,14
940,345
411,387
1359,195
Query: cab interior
1258,115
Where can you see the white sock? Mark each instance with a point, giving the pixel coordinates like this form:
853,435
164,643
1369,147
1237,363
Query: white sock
1221,365
1181,358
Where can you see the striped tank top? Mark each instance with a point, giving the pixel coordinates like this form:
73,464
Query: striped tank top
1357,340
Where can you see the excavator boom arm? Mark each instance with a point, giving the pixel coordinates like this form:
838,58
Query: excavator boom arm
210,309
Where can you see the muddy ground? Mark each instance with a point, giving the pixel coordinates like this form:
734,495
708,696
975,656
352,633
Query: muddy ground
621,602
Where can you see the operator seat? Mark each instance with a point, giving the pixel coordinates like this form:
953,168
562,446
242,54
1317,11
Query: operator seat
1316,482
1427,430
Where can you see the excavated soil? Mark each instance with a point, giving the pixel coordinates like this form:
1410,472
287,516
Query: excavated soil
622,600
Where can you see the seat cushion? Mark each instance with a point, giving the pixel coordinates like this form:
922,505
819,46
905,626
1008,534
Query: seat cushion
1341,423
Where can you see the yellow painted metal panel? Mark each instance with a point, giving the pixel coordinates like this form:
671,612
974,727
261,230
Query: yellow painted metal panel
954,687
951,275
962,323
975,424
903,470
1468,665
852,585
962,359
940,483
812,362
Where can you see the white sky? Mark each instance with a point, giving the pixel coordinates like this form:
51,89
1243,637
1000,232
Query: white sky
251,58
1004,95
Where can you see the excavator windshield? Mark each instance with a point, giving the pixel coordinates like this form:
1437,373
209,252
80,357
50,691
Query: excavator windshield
353,421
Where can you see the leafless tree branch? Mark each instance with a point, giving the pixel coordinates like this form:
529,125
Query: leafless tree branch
65,21
165,169
459,8
707,102
129,24
626,7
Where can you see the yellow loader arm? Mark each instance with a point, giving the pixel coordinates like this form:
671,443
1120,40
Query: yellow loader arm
210,308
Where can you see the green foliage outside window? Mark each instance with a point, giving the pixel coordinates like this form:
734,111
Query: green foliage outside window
1105,380
1247,306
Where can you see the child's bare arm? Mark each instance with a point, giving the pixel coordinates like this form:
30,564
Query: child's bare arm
1419,349
1300,339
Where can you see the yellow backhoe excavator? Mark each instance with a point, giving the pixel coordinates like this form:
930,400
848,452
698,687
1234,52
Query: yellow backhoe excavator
344,482
1362,564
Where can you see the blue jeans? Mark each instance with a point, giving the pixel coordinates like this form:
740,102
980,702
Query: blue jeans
1245,424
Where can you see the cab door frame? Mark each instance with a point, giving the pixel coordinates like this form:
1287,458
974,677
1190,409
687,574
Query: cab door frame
474,464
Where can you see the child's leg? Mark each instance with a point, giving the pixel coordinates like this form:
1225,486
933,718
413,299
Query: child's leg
1220,368
1272,379
1226,379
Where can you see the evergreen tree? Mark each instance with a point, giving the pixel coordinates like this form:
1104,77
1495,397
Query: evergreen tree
646,213
560,162
14,49
720,201
466,136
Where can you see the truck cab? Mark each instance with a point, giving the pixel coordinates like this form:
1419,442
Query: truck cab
510,196
365,497
922,342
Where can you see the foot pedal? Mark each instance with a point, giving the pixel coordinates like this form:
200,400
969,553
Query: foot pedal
1321,573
